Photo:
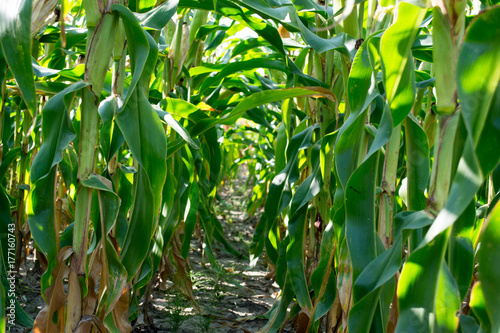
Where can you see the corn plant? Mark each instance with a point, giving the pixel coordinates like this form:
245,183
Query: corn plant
369,129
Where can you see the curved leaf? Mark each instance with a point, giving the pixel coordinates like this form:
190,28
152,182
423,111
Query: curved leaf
397,66
57,131
488,253
478,75
158,17
15,39
138,46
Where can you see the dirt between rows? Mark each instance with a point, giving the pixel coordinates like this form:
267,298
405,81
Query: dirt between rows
232,300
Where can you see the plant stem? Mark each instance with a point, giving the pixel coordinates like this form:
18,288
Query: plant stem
21,203
372,6
389,176
78,266
100,43
441,167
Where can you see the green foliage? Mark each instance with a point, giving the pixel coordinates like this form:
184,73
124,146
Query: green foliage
369,131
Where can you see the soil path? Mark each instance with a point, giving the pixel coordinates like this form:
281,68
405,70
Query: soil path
234,300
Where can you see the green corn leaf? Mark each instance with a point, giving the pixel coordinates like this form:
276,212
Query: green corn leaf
216,41
280,190
191,219
281,143
468,324
206,30
232,10
207,225
342,42
158,17
249,45
204,123
108,204
174,124
360,76
98,182
379,271
146,273
311,186
110,137
175,186
269,96
124,191
146,138
139,47
295,258
7,160
382,316
141,5
461,250
264,9
479,307
478,75
417,287
382,135
281,263
388,263
212,152
180,108
361,225
397,62
57,131
141,225
3,66
418,164
235,67
15,39
488,252
323,279
278,312
117,277
346,146
447,302
257,244
41,220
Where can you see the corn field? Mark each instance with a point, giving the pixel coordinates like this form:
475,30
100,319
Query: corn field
370,131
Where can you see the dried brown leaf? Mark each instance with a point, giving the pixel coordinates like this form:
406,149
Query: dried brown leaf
55,297
120,312
90,301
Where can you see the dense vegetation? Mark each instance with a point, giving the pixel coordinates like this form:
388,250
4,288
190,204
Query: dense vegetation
371,132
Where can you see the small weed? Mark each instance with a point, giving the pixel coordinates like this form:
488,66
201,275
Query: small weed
219,287
176,316
203,323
